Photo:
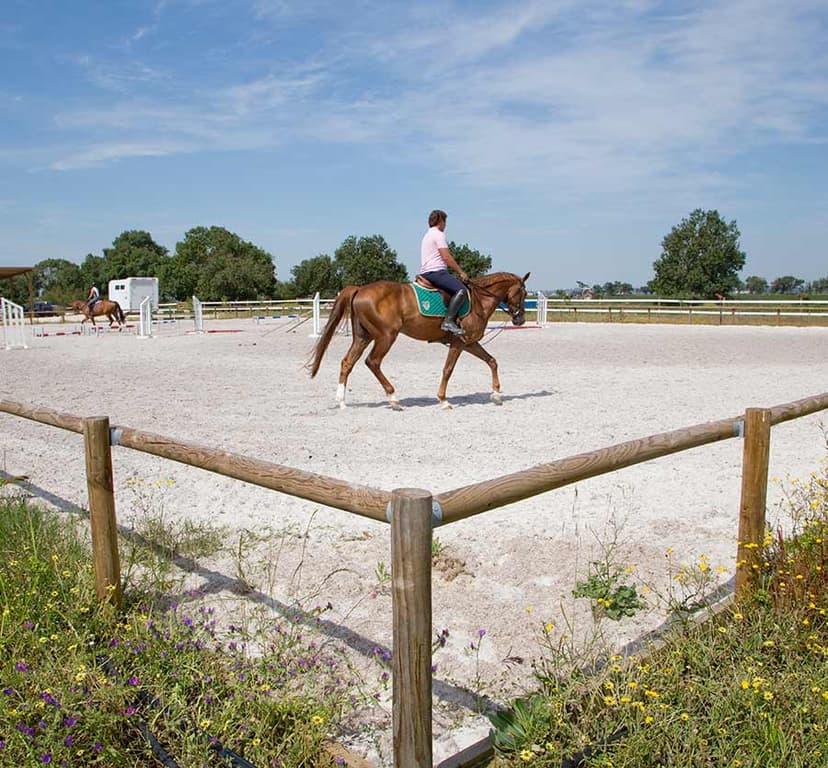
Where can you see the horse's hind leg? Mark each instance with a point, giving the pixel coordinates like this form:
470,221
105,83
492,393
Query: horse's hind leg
358,344
483,355
380,349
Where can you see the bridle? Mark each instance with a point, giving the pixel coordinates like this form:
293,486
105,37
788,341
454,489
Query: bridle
513,313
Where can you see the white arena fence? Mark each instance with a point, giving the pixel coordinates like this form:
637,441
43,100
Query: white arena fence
543,309
14,332
764,310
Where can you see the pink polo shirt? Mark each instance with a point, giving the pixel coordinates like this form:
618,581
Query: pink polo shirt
430,258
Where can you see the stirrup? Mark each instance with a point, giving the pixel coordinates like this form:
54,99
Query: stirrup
452,327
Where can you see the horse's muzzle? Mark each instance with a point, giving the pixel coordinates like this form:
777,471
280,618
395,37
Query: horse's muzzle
518,319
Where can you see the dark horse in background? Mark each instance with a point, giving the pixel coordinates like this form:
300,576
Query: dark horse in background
382,310
111,309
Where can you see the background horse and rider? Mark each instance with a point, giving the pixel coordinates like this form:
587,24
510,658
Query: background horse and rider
382,310
102,308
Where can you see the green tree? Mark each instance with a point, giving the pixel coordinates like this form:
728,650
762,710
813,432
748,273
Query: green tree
754,284
364,260
820,285
16,289
216,264
59,281
316,274
616,288
133,254
699,258
472,262
285,290
786,284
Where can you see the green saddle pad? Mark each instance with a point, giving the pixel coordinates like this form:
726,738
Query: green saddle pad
431,304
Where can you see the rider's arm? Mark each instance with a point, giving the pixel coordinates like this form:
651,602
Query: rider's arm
449,259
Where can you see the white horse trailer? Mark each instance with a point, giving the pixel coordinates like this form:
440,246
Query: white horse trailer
131,291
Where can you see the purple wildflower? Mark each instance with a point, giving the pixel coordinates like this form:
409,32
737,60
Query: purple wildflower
45,758
134,681
21,667
98,746
481,633
49,699
8,691
68,722
69,740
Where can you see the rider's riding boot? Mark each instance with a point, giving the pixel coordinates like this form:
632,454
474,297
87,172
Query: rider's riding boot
455,305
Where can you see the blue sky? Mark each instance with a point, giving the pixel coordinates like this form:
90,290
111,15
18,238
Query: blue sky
565,138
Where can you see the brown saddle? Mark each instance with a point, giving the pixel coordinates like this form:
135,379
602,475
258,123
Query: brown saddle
424,282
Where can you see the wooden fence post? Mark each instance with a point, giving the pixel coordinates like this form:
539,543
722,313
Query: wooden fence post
411,600
754,498
100,486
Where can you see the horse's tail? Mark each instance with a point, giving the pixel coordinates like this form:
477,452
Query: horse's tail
120,313
341,308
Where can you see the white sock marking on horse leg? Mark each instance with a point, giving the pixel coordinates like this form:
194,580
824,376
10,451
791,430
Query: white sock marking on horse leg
340,395
445,405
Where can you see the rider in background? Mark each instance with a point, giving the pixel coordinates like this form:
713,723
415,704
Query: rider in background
435,260
94,295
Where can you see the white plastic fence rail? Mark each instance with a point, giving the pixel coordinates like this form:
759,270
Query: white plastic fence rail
14,332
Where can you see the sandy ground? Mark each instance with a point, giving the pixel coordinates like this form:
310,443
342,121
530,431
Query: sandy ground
568,388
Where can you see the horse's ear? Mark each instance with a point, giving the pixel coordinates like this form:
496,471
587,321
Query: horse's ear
526,276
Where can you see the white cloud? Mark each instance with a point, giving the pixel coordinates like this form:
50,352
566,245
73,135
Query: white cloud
568,94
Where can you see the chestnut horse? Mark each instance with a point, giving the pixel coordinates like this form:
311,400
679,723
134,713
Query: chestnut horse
382,310
112,310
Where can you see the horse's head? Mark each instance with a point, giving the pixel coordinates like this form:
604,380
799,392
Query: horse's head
515,297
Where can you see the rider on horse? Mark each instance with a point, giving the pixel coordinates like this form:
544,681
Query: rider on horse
93,297
436,259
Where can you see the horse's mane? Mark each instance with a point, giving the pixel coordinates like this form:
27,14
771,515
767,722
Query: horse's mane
486,281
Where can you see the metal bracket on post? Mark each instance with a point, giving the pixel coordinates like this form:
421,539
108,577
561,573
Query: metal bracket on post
436,513
115,436
739,428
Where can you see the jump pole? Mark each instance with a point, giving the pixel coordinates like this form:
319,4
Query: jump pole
411,511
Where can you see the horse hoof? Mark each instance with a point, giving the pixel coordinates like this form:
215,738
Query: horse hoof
445,405
497,399
342,405
395,405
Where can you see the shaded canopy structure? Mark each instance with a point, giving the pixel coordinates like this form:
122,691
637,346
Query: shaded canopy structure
7,273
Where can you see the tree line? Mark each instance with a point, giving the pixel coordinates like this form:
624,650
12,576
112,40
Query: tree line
700,258
215,264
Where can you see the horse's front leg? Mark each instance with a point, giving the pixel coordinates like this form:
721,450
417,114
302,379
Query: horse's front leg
483,355
448,369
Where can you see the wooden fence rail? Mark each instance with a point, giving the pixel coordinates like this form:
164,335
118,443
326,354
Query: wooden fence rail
412,512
